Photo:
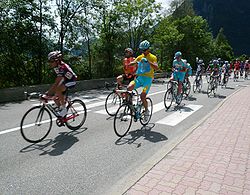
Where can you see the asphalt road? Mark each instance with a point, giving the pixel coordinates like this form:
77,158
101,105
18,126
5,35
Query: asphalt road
93,159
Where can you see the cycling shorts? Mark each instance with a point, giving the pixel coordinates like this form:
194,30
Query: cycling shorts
179,76
142,81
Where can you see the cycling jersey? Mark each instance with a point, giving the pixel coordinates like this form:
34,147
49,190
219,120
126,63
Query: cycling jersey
129,70
180,70
237,65
64,70
150,57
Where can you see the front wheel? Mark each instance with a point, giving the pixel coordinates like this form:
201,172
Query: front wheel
36,124
146,115
77,114
168,99
112,103
123,120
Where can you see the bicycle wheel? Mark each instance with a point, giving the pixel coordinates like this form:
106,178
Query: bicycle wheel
146,117
123,120
210,89
187,89
112,103
200,85
195,85
36,124
76,115
168,99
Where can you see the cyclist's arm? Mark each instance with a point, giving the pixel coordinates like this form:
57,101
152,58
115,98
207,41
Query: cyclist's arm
58,82
154,65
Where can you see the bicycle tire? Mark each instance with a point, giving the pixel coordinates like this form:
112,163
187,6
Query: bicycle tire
76,107
28,130
111,105
168,98
195,85
123,114
187,89
210,89
142,113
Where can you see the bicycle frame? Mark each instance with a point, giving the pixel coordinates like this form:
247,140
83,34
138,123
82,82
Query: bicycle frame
51,109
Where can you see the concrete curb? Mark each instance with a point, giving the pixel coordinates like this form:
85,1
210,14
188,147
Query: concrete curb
123,185
17,93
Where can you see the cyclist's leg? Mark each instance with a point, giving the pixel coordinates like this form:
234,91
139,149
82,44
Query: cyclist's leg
119,80
181,77
147,81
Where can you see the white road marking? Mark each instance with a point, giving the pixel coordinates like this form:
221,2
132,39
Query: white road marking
178,116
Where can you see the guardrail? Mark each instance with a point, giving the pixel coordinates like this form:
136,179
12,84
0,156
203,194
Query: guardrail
17,93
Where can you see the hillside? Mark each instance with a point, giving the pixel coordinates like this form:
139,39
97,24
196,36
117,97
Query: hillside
233,16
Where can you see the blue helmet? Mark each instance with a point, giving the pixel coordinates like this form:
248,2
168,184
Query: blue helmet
177,54
144,45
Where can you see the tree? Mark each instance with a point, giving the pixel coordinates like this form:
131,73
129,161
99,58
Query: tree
165,39
197,40
222,46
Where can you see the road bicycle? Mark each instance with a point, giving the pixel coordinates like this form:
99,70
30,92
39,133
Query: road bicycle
115,99
37,121
129,111
197,84
172,95
212,85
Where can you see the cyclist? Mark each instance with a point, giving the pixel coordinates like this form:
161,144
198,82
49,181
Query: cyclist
236,69
242,65
247,66
179,71
129,71
200,68
225,70
147,64
214,68
65,78
189,71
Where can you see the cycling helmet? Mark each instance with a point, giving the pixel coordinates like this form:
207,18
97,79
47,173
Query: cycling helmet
129,50
54,56
144,45
178,54
215,61
200,61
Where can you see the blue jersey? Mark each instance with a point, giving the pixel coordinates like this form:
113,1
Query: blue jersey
180,66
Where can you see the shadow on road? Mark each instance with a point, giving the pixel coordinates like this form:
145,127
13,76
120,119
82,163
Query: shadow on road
145,132
57,146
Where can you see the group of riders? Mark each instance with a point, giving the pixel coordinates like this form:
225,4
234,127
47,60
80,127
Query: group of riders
139,72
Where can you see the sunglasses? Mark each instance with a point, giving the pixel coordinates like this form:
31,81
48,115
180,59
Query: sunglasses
144,50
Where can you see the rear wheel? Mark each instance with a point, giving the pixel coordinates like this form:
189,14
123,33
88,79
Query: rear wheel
36,124
76,115
123,120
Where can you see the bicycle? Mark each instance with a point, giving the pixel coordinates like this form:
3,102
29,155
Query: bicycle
171,95
213,85
129,111
37,121
115,99
197,84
